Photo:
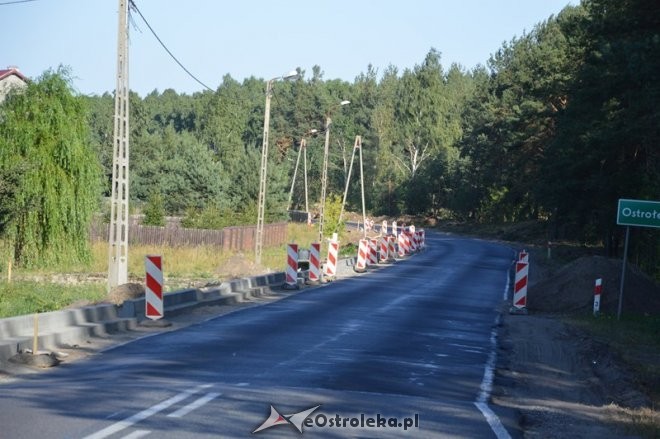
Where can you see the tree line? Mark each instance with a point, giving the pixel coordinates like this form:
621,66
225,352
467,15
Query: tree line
559,124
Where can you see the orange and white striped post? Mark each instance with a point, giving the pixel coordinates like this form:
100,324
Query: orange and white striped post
391,253
403,247
154,287
315,262
291,266
330,269
384,249
363,254
372,259
520,285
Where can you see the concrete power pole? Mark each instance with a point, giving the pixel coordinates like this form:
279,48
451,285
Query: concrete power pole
263,177
118,239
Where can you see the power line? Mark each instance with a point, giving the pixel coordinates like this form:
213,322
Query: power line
135,8
16,1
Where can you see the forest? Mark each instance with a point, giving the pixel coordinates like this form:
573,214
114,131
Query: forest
559,123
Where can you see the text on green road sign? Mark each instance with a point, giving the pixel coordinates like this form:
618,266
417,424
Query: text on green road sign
638,213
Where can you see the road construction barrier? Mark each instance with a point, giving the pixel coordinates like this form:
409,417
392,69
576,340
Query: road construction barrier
523,256
363,253
598,289
384,249
372,258
394,230
383,228
520,285
404,247
413,239
154,287
291,273
315,262
391,247
330,269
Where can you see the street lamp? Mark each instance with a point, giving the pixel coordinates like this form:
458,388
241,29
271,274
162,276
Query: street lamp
261,202
324,175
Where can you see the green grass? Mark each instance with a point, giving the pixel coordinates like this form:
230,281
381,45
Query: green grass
635,339
33,291
19,298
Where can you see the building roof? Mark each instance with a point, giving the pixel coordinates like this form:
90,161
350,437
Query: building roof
12,71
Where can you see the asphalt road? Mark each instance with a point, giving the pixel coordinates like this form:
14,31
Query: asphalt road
407,345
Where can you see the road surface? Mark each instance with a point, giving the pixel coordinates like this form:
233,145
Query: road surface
407,346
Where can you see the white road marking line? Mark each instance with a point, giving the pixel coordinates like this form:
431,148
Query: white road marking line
487,386
194,405
137,434
493,421
144,414
508,285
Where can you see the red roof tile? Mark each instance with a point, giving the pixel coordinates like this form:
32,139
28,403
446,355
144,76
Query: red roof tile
11,71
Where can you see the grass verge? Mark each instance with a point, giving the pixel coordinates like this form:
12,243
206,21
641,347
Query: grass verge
33,291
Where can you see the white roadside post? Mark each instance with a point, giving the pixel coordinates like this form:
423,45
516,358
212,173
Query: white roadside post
598,288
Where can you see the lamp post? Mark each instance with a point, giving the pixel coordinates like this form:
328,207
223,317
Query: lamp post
324,175
261,201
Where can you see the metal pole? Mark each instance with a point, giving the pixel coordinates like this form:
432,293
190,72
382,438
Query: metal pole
324,176
348,180
304,146
259,238
118,236
295,172
358,140
623,272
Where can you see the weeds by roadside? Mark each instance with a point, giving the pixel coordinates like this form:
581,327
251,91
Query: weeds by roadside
49,290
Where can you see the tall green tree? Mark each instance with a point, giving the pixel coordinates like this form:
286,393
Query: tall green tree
45,129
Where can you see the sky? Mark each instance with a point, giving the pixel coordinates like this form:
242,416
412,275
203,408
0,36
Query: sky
256,38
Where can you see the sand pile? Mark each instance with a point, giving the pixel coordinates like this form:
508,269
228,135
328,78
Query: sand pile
571,288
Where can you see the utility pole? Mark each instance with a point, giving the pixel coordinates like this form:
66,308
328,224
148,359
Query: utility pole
118,238
324,173
261,202
324,177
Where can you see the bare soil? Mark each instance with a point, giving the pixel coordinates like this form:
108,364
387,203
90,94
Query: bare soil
563,380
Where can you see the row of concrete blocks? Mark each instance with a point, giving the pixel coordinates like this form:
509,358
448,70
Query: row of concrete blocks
70,327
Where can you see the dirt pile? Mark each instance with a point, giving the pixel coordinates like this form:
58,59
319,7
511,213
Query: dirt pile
571,288
125,291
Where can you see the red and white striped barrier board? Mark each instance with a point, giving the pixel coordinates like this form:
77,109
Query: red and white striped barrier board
292,265
391,247
413,239
384,249
154,287
363,253
523,256
373,252
333,255
315,262
598,289
403,248
394,230
419,240
520,285
383,228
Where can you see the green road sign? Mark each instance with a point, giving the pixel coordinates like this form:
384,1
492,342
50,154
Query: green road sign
638,213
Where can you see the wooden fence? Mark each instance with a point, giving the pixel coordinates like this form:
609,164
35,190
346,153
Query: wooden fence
240,238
